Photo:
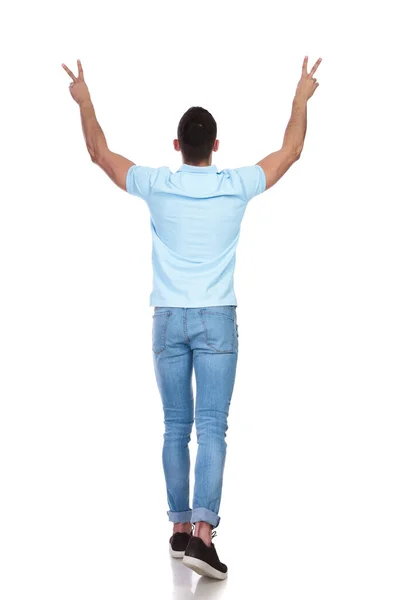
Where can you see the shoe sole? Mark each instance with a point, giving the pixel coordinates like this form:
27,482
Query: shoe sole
176,553
202,568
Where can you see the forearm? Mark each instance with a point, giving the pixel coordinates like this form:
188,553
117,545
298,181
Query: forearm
296,129
94,137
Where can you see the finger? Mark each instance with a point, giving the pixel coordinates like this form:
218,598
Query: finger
304,68
80,70
70,73
315,67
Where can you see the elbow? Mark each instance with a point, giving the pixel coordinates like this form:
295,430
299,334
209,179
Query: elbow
297,153
93,154
98,155
292,152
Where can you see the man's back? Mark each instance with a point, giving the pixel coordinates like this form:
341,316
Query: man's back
196,215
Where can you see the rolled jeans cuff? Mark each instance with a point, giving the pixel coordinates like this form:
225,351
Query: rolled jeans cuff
179,517
204,514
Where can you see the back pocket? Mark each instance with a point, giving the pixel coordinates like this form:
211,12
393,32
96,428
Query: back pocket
220,328
160,323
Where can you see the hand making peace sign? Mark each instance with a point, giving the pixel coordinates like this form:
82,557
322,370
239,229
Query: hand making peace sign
78,88
307,84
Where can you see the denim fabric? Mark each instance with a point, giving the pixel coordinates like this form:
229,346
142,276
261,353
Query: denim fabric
206,340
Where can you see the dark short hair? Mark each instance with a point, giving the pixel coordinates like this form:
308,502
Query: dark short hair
197,132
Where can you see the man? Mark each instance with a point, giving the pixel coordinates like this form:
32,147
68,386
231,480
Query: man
195,222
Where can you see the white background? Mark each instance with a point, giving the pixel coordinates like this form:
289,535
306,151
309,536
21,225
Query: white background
310,505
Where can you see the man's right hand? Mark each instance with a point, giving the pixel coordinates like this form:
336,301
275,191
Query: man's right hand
277,163
307,84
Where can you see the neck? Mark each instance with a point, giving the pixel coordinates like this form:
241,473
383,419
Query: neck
204,163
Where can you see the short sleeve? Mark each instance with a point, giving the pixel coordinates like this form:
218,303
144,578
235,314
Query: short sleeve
252,179
139,181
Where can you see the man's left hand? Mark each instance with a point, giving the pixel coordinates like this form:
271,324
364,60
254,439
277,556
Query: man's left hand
78,88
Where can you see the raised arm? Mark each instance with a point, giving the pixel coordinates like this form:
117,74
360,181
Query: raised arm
115,165
277,163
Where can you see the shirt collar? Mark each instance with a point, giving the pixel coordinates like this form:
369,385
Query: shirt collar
195,169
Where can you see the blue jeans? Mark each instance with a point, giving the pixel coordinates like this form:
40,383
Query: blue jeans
205,339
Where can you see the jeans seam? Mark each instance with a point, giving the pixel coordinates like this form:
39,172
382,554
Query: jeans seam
185,324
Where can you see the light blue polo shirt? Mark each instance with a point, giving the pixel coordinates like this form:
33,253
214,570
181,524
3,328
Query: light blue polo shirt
195,217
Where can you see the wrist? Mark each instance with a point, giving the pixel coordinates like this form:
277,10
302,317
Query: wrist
300,99
85,102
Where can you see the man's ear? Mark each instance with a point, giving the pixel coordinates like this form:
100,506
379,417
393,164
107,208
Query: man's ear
216,146
177,145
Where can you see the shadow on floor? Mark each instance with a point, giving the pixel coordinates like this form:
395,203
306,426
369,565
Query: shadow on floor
188,585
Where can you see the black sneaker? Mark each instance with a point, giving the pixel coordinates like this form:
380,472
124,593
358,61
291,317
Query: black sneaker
178,543
204,559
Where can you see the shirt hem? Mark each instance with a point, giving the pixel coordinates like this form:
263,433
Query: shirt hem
209,302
